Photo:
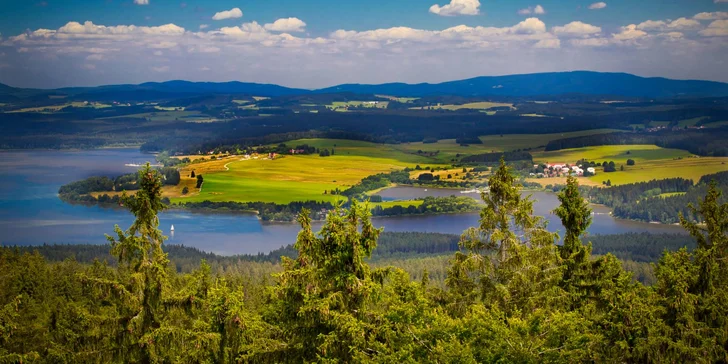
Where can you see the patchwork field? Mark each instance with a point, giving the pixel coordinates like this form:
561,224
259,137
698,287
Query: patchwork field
473,105
651,162
342,106
284,179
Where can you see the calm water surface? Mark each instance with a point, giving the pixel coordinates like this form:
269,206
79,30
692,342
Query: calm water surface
32,214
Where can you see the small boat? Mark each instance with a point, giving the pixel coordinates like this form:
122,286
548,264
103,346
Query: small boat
172,228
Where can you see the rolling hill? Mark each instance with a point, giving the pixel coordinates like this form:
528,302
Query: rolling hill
525,85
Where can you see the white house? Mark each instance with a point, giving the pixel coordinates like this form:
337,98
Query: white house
591,170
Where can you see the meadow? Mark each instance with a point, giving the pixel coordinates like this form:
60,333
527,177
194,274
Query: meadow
284,179
290,178
473,105
651,162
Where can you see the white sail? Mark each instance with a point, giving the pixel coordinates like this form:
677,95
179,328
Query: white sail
172,228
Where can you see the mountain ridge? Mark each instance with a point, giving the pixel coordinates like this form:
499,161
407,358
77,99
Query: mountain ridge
517,85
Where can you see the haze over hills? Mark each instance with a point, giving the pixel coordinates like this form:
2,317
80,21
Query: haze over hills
524,85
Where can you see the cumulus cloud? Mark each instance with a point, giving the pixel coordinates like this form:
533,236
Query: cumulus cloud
141,2
457,7
263,53
597,6
711,16
718,28
548,43
576,28
286,25
538,9
629,32
677,24
233,13
204,26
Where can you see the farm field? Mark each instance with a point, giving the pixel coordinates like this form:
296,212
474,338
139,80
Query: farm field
617,153
651,162
284,179
448,148
473,105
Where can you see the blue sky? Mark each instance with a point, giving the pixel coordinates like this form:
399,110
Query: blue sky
316,43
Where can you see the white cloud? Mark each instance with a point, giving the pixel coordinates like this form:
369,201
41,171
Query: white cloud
599,5
457,7
286,25
672,35
718,28
677,24
204,26
254,53
711,16
233,13
684,23
548,43
629,32
141,2
538,9
576,28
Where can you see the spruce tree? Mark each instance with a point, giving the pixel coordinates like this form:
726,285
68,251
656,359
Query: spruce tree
510,260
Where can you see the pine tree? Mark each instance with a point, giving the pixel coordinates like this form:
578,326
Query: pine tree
510,259
575,215
321,294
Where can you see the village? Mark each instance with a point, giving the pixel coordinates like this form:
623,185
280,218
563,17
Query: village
561,170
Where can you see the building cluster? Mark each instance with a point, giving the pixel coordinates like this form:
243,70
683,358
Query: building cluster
560,170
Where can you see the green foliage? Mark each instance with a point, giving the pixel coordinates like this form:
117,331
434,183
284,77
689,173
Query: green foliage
510,294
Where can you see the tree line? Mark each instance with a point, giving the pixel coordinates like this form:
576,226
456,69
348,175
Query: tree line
510,294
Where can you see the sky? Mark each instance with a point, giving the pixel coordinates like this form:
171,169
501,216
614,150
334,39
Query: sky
320,43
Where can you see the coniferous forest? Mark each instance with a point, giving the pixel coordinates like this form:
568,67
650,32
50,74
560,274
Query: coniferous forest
510,294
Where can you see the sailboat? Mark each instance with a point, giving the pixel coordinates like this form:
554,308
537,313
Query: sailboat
172,228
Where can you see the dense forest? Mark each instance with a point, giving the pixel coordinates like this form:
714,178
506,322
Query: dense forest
645,201
510,294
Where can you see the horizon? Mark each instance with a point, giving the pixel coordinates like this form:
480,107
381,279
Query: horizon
363,84
50,44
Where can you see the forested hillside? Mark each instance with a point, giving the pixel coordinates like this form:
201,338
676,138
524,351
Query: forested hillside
510,294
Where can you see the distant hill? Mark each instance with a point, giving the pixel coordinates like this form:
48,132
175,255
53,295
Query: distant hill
526,85
548,84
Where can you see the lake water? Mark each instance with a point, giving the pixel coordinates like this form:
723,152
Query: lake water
32,214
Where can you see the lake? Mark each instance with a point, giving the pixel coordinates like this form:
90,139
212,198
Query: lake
32,214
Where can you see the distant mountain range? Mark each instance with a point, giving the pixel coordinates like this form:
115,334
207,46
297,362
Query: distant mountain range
526,85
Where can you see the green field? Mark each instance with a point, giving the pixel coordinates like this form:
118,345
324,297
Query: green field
651,162
473,105
290,178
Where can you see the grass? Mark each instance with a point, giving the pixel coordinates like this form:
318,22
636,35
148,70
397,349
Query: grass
651,162
55,108
284,179
532,141
670,194
366,149
617,153
691,122
473,105
690,168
